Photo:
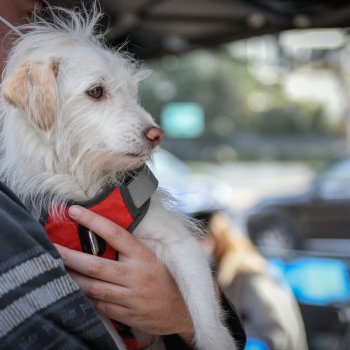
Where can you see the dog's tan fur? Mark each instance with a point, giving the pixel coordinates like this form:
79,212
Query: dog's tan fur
32,88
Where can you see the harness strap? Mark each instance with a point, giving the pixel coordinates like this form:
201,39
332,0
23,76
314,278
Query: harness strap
126,205
142,186
138,189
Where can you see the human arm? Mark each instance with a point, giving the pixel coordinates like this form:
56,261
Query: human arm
40,305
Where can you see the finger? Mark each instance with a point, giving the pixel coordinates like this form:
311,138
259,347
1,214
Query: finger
113,311
120,239
102,291
94,266
130,317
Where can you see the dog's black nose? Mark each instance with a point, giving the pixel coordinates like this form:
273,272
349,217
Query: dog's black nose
154,135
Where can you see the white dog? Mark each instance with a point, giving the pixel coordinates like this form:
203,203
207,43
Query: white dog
70,124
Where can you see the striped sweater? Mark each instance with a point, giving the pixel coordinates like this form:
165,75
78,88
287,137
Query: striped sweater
41,307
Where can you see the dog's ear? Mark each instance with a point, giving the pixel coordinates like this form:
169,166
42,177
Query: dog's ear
33,89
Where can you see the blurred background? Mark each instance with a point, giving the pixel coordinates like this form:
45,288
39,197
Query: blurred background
253,97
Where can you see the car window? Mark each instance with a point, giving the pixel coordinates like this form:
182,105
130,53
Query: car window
335,182
340,170
165,165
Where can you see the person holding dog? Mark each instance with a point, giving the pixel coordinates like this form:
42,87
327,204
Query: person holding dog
42,306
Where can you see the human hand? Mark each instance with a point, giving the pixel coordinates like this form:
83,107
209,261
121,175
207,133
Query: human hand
136,290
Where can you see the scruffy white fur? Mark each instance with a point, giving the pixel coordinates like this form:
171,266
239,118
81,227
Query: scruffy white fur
59,144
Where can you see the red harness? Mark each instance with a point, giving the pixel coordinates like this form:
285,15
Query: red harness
70,234
125,205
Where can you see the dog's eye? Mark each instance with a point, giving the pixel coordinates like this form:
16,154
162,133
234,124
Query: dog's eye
95,92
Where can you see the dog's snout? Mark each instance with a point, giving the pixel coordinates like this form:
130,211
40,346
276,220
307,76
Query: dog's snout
154,135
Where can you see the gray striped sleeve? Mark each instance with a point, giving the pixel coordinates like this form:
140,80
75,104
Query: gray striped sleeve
27,271
38,299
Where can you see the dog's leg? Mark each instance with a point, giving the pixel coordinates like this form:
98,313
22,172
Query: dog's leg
166,234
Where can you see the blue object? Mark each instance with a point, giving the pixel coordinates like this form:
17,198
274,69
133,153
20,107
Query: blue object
317,281
184,120
255,344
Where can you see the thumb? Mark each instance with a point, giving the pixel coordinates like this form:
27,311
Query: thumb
116,236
